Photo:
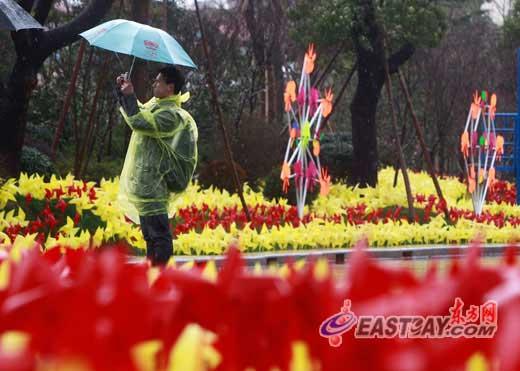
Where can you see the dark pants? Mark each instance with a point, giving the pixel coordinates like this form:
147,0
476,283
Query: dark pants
158,237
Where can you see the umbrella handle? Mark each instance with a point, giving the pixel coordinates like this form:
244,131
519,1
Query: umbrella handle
127,74
131,68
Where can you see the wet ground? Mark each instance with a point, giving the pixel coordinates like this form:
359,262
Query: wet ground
417,258
420,265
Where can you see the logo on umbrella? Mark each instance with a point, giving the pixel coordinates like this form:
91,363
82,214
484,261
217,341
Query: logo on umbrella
99,32
152,45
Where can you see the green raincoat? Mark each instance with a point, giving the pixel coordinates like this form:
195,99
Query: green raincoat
161,156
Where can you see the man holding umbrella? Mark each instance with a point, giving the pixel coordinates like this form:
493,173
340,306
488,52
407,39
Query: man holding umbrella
161,156
162,153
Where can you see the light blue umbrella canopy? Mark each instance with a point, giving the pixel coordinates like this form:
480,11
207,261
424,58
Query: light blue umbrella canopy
139,40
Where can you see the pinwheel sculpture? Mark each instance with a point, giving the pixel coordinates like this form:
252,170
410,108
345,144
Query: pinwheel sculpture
481,148
305,112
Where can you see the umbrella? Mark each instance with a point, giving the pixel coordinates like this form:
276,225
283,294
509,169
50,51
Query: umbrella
138,40
14,17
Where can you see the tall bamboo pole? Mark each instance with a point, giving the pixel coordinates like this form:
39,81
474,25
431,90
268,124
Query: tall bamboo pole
68,99
402,162
330,64
218,112
420,136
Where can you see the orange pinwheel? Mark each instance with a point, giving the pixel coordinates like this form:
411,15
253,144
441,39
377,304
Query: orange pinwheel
472,172
500,146
291,90
471,179
464,144
324,182
327,103
310,58
287,101
475,106
480,178
471,185
491,177
481,175
286,173
289,95
493,107
316,147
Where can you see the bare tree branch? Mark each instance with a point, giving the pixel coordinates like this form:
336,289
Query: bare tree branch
400,57
69,32
42,10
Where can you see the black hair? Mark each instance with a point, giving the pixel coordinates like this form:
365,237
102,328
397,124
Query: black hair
173,76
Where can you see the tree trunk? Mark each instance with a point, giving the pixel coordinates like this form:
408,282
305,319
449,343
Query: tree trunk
277,85
267,92
13,108
371,78
363,110
32,49
364,129
252,16
165,19
277,62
